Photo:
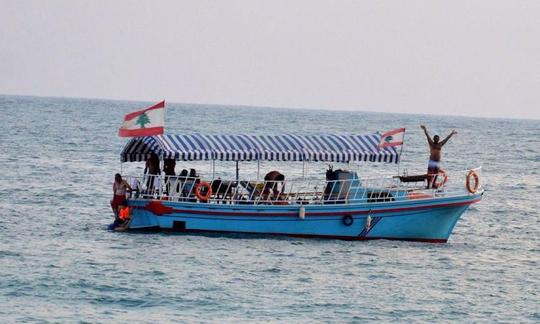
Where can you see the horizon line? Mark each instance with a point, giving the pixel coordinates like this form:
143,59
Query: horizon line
271,107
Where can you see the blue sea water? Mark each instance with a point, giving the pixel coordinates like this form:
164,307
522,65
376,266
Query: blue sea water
58,263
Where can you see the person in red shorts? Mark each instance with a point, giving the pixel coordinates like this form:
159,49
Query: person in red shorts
120,188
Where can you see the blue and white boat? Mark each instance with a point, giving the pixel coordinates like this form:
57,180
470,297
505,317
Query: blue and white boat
338,204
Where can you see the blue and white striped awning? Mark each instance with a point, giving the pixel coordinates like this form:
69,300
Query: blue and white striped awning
197,147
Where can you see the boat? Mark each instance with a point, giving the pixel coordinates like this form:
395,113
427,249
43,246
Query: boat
337,204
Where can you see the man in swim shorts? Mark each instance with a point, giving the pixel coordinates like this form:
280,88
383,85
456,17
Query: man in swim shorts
120,188
435,147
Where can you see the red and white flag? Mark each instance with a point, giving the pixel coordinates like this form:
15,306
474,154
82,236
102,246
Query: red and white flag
146,122
392,138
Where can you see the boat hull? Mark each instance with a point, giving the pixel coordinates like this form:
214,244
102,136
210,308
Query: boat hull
426,220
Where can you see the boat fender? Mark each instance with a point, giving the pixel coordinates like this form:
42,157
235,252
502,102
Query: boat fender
199,194
302,212
347,220
368,222
474,175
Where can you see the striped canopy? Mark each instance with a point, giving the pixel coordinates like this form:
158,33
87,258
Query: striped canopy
197,147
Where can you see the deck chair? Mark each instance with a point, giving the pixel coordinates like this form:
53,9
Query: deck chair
251,188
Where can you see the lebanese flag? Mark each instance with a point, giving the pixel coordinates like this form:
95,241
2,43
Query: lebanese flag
146,122
392,138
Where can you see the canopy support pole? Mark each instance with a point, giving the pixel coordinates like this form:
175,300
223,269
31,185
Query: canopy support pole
237,183
160,182
213,169
258,169
400,151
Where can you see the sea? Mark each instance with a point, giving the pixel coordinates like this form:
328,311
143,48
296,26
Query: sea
60,264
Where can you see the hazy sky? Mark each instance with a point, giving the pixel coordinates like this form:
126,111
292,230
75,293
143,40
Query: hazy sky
475,58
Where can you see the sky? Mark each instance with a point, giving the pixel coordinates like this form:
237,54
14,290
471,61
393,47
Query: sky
471,58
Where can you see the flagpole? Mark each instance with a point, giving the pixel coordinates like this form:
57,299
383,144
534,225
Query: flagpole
400,152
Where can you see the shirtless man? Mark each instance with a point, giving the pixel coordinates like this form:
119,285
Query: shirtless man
434,164
120,188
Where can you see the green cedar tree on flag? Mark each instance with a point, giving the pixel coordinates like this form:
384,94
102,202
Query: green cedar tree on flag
143,120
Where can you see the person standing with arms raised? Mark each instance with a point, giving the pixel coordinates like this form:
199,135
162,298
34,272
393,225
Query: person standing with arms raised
435,148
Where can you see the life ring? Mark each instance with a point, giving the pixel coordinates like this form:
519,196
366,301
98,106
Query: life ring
441,175
473,174
199,194
347,220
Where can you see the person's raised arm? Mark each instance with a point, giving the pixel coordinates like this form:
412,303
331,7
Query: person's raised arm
448,137
430,141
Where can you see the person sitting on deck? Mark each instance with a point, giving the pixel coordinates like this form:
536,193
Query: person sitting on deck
435,148
189,185
181,180
183,174
271,181
120,188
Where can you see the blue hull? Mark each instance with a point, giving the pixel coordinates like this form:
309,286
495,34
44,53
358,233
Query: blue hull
427,220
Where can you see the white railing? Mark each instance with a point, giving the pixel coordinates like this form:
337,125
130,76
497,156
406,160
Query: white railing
302,191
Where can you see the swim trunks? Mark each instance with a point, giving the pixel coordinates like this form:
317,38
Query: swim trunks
434,166
117,201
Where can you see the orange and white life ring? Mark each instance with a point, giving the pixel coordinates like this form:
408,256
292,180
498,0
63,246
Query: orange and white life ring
198,192
439,179
474,175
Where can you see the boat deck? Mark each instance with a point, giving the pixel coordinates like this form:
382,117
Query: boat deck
298,192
